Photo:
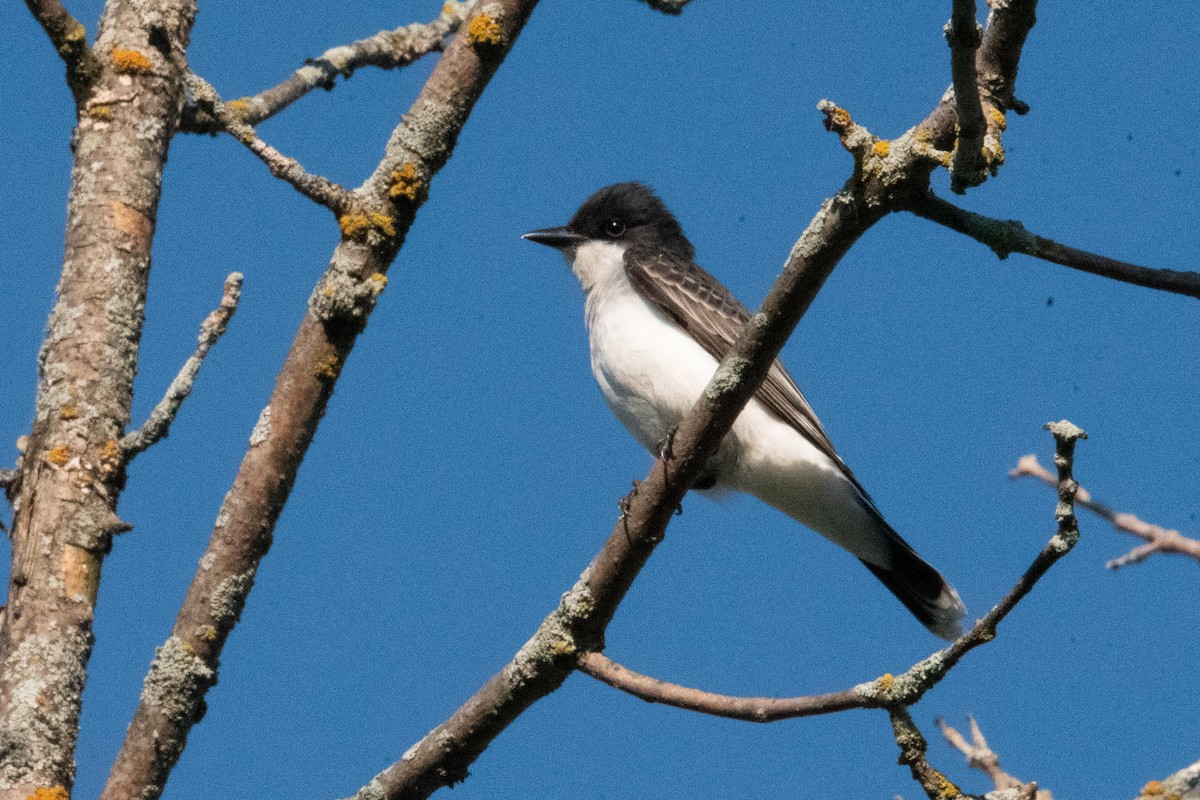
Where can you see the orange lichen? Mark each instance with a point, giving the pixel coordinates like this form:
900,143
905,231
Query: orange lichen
49,793
882,148
100,111
354,225
839,118
327,367
69,412
1154,788
131,62
58,456
945,788
886,681
239,107
485,29
379,278
358,225
385,224
406,183
996,116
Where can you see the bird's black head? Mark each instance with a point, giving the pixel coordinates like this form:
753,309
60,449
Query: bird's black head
628,213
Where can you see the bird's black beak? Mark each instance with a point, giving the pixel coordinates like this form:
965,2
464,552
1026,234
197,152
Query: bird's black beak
558,238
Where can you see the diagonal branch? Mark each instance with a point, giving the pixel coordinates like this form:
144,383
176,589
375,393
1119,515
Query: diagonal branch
386,50
69,38
317,188
186,665
1158,539
158,425
1009,236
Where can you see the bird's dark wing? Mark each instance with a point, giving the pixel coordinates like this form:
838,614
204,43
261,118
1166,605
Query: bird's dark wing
698,303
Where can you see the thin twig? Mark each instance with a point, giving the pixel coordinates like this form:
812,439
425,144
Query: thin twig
1158,539
317,188
69,38
1009,236
964,34
158,424
386,50
981,757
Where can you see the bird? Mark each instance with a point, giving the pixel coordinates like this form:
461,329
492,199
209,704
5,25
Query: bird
658,326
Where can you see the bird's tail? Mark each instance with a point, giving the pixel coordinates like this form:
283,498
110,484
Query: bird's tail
921,588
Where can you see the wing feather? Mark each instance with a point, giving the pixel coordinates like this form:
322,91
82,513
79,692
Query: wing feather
699,304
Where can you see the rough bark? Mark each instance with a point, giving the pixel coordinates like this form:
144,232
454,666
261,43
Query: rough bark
71,473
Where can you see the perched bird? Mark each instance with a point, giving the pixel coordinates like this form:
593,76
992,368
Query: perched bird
658,325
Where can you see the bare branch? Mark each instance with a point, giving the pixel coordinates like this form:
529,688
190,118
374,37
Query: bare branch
70,476
1158,539
980,756
1180,784
1009,236
185,667
750,709
965,35
386,50
667,6
912,753
317,188
158,424
69,38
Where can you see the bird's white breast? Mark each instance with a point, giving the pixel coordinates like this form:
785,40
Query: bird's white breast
649,370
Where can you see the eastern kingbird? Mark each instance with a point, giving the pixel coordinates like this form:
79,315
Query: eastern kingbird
658,325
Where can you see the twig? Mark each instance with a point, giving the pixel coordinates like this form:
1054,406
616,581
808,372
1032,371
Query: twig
317,188
69,38
981,757
386,50
158,424
1009,236
965,35
750,709
1177,785
1159,540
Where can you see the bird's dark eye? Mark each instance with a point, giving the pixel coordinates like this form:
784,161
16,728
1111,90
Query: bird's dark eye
614,227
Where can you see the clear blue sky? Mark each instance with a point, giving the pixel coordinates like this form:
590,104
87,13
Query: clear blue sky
468,469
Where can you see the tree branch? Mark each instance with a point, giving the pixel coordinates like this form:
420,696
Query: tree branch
158,424
1009,236
386,50
965,35
71,472
185,667
1159,540
1176,785
69,38
980,757
317,188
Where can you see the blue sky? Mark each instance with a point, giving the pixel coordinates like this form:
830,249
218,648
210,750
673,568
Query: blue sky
467,468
